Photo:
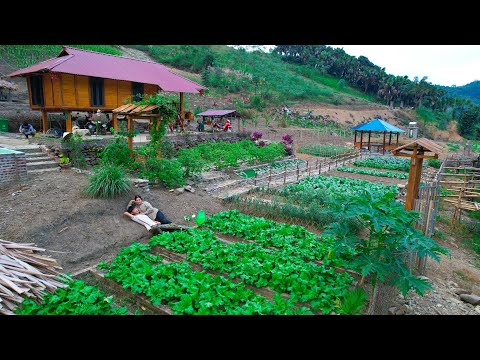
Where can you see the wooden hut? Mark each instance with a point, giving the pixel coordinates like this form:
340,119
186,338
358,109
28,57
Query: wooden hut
80,80
376,126
211,114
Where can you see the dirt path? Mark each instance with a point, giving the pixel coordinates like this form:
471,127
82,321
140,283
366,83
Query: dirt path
51,211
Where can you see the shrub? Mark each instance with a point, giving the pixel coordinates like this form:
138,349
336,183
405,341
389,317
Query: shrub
168,172
256,136
107,181
73,147
287,140
257,103
118,153
435,163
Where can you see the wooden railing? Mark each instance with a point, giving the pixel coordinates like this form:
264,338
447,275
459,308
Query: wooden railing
314,167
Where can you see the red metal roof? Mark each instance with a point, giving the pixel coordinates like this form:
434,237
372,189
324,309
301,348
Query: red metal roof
90,63
211,112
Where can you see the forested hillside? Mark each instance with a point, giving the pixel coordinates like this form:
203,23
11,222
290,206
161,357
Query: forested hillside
293,74
470,91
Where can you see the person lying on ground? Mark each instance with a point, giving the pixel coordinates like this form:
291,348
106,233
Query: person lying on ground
146,208
134,213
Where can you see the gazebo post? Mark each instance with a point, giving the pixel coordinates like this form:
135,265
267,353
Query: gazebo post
361,140
390,139
130,130
413,178
369,135
384,134
115,121
44,121
397,138
417,155
355,139
68,123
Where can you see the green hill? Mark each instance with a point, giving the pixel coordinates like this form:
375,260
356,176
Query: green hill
227,70
22,56
288,74
470,91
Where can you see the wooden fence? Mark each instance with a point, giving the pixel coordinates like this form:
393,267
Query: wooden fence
280,177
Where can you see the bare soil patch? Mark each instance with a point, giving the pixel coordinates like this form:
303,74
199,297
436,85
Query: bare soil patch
78,231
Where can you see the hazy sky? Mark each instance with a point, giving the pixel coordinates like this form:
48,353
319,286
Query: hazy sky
443,64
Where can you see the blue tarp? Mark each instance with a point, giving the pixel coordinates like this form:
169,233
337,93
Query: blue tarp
377,125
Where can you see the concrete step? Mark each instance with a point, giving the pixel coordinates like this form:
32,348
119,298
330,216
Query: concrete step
227,193
221,185
211,177
41,165
41,171
35,154
38,158
26,148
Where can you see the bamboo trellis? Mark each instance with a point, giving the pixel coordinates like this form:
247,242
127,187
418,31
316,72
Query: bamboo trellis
462,183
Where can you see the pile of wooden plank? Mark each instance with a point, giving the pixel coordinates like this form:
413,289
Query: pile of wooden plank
25,273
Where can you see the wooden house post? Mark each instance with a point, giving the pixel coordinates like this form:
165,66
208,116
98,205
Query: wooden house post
361,140
182,111
68,125
44,121
355,139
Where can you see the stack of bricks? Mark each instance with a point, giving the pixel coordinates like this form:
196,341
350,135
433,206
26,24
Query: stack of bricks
13,166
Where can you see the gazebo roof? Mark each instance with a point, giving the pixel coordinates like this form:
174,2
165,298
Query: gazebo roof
377,125
134,109
423,144
211,112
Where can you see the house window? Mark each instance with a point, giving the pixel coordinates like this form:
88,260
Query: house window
36,88
137,89
96,92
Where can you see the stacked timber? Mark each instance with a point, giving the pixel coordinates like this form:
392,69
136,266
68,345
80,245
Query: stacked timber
25,274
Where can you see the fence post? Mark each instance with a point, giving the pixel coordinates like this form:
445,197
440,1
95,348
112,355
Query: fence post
269,177
298,171
306,168
285,174
255,180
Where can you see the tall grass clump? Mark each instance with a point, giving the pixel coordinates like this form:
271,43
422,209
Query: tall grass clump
108,181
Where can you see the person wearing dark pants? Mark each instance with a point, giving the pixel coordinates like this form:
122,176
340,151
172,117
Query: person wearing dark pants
27,129
146,208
